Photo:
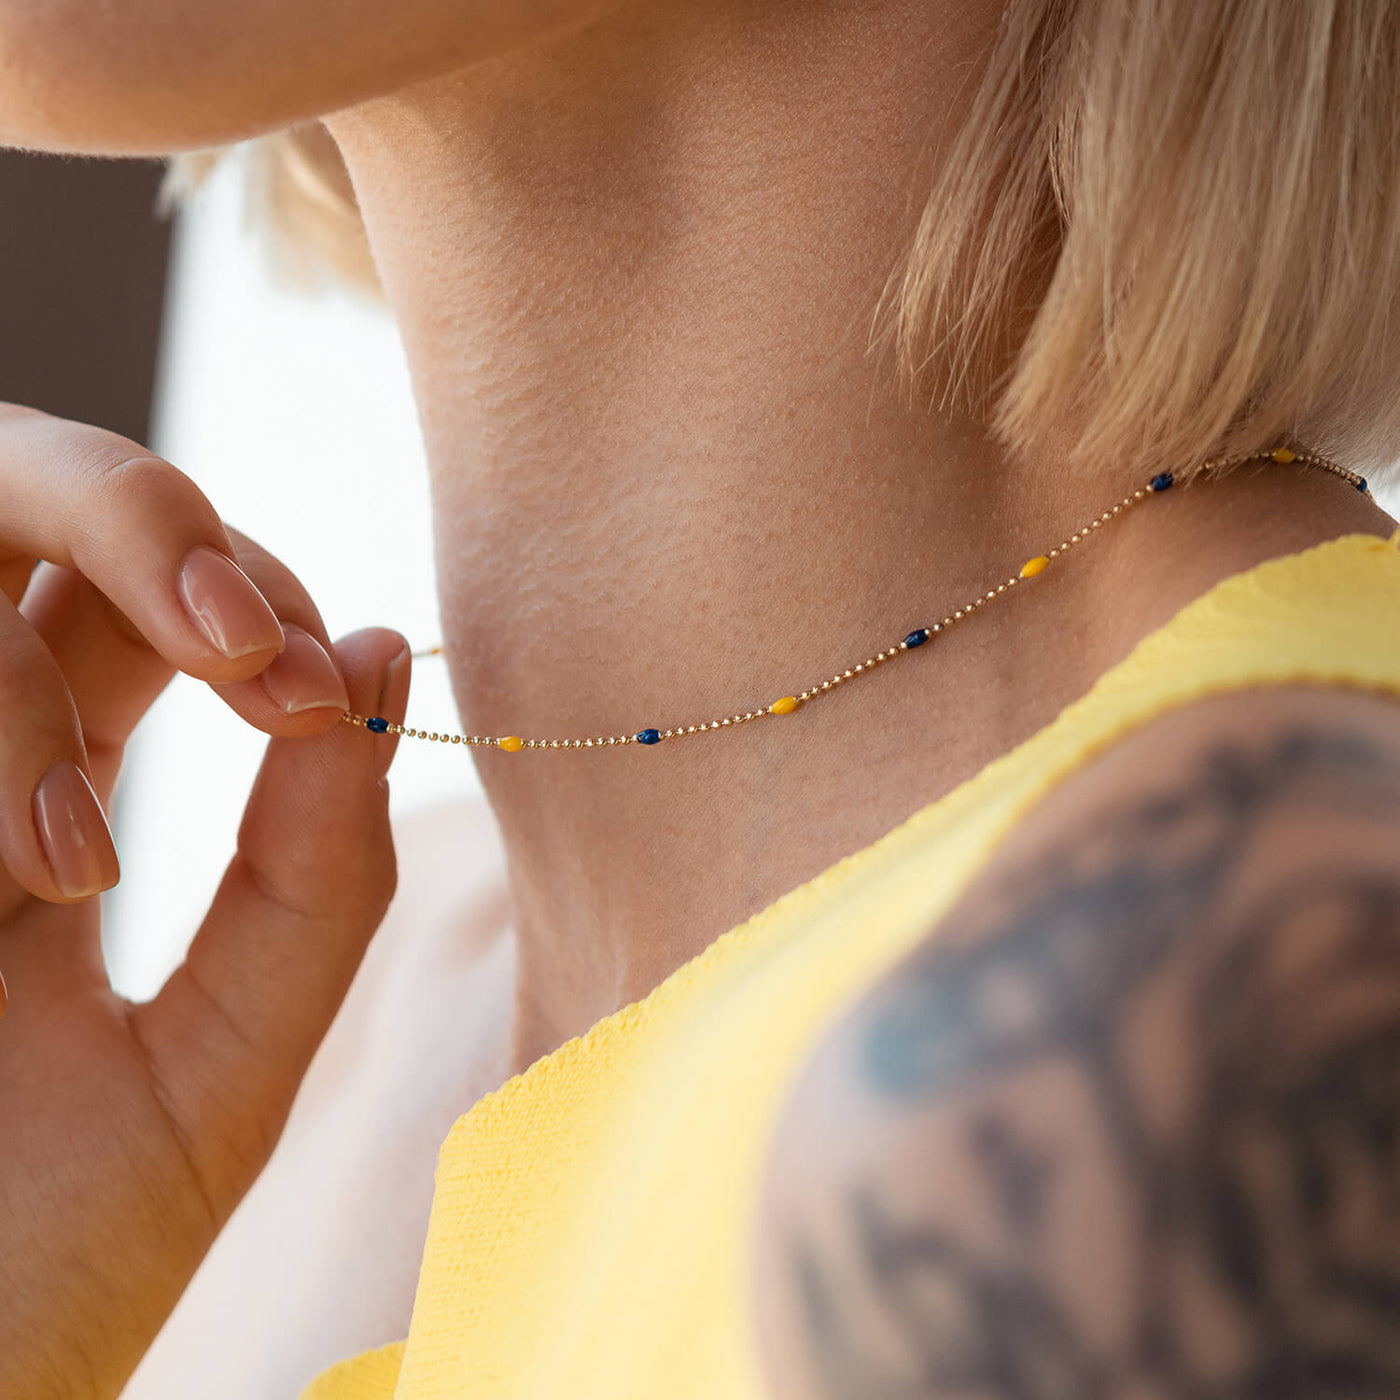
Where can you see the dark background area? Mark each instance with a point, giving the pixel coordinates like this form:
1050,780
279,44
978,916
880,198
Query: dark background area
82,284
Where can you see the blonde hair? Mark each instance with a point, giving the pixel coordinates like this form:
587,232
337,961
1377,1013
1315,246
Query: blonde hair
1172,226
298,193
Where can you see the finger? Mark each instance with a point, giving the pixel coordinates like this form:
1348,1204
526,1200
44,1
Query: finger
302,691
142,532
231,1033
114,675
54,839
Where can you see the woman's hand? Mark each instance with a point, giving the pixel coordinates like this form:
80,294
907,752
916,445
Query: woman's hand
128,1133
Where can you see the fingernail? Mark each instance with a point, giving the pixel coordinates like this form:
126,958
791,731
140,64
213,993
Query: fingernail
303,676
393,699
74,833
224,604
393,693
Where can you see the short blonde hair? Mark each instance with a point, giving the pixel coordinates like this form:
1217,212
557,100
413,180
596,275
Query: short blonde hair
299,195
1173,226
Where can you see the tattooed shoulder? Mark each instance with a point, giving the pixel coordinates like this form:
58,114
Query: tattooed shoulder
1127,1125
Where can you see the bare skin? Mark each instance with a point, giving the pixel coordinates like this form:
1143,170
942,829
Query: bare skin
343,1203
634,252
1126,1124
671,484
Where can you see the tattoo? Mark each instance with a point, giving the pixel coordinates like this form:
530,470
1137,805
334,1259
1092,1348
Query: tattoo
1261,1203
1019,1173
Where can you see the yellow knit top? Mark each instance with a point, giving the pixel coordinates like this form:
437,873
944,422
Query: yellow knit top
590,1229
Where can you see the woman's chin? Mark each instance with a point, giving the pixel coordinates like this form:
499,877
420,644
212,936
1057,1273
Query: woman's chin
163,76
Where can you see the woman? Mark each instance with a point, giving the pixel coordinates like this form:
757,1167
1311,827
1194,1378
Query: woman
1051,1049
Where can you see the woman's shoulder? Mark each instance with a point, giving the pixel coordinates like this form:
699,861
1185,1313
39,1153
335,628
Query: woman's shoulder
1158,1020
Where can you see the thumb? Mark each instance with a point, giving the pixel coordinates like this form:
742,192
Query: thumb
231,1033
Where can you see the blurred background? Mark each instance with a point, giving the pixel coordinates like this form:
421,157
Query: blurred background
291,408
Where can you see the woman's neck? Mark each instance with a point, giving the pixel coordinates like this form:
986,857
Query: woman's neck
635,275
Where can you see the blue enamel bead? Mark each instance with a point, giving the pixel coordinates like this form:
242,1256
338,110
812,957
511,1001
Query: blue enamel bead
1161,482
1361,485
917,638
377,725
648,736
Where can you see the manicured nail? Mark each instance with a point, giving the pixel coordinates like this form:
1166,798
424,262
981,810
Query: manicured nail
74,833
224,604
304,677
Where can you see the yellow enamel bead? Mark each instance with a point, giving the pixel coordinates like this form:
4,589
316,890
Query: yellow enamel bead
510,743
785,706
1035,566
1282,454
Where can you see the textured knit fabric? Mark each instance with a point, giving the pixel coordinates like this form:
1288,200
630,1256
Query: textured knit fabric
591,1224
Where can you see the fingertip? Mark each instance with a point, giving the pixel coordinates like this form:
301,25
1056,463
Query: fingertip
305,677
312,684
228,610
395,682
371,647
378,664
73,833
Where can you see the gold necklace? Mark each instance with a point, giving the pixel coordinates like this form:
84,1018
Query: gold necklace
789,704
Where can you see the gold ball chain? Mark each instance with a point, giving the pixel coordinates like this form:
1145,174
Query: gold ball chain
788,704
